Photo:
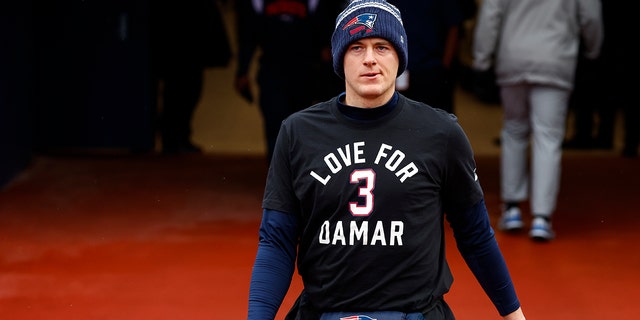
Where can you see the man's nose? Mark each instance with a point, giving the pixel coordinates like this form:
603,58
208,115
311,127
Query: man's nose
369,57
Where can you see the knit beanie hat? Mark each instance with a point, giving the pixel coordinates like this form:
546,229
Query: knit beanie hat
368,19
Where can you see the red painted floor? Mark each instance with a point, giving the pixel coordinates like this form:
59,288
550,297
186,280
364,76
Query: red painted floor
151,237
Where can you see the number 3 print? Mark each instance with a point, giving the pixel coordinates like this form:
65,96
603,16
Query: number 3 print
366,191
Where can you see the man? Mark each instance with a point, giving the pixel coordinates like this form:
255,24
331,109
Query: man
358,189
535,47
290,37
435,28
187,37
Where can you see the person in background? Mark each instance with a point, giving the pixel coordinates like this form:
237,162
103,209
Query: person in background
594,117
435,28
291,36
597,98
534,46
359,189
186,38
619,61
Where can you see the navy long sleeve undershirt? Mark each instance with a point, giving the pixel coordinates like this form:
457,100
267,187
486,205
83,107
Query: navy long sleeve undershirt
477,244
274,264
275,260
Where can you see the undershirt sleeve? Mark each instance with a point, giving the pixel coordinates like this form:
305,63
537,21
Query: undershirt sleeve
274,264
476,242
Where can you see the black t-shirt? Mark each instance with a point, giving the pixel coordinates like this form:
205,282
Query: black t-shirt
371,198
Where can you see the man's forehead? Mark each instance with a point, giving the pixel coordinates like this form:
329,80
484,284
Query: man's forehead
375,40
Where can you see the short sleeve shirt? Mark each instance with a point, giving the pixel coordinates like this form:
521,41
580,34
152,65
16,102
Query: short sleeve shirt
371,197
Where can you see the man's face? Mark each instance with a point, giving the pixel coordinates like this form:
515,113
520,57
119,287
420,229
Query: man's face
370,69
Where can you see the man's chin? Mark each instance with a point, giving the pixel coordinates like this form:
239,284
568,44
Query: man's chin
371,91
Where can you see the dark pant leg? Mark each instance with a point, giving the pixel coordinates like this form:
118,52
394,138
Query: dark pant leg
181,93
631,129
280,96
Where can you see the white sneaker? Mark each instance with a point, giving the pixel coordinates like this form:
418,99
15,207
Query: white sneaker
541,230
511,220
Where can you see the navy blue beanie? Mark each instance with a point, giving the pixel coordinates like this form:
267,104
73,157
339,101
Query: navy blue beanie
368,19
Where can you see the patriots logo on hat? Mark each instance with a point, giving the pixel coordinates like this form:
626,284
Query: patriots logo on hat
363,20
358,317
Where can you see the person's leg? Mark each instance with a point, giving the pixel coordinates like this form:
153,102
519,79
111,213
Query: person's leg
583,102
605,111
515,141
274,106
548,115
606,125
181,93
631,129
513,165
583,125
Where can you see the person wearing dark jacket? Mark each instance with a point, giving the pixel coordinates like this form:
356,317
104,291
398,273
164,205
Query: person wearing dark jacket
291,36
435,28
186,38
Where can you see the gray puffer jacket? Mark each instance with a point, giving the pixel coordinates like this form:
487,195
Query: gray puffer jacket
536,41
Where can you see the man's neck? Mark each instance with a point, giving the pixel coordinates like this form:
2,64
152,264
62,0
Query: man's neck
354,100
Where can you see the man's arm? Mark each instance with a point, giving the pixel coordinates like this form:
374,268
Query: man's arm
516,315
479,248
247,24
274,264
